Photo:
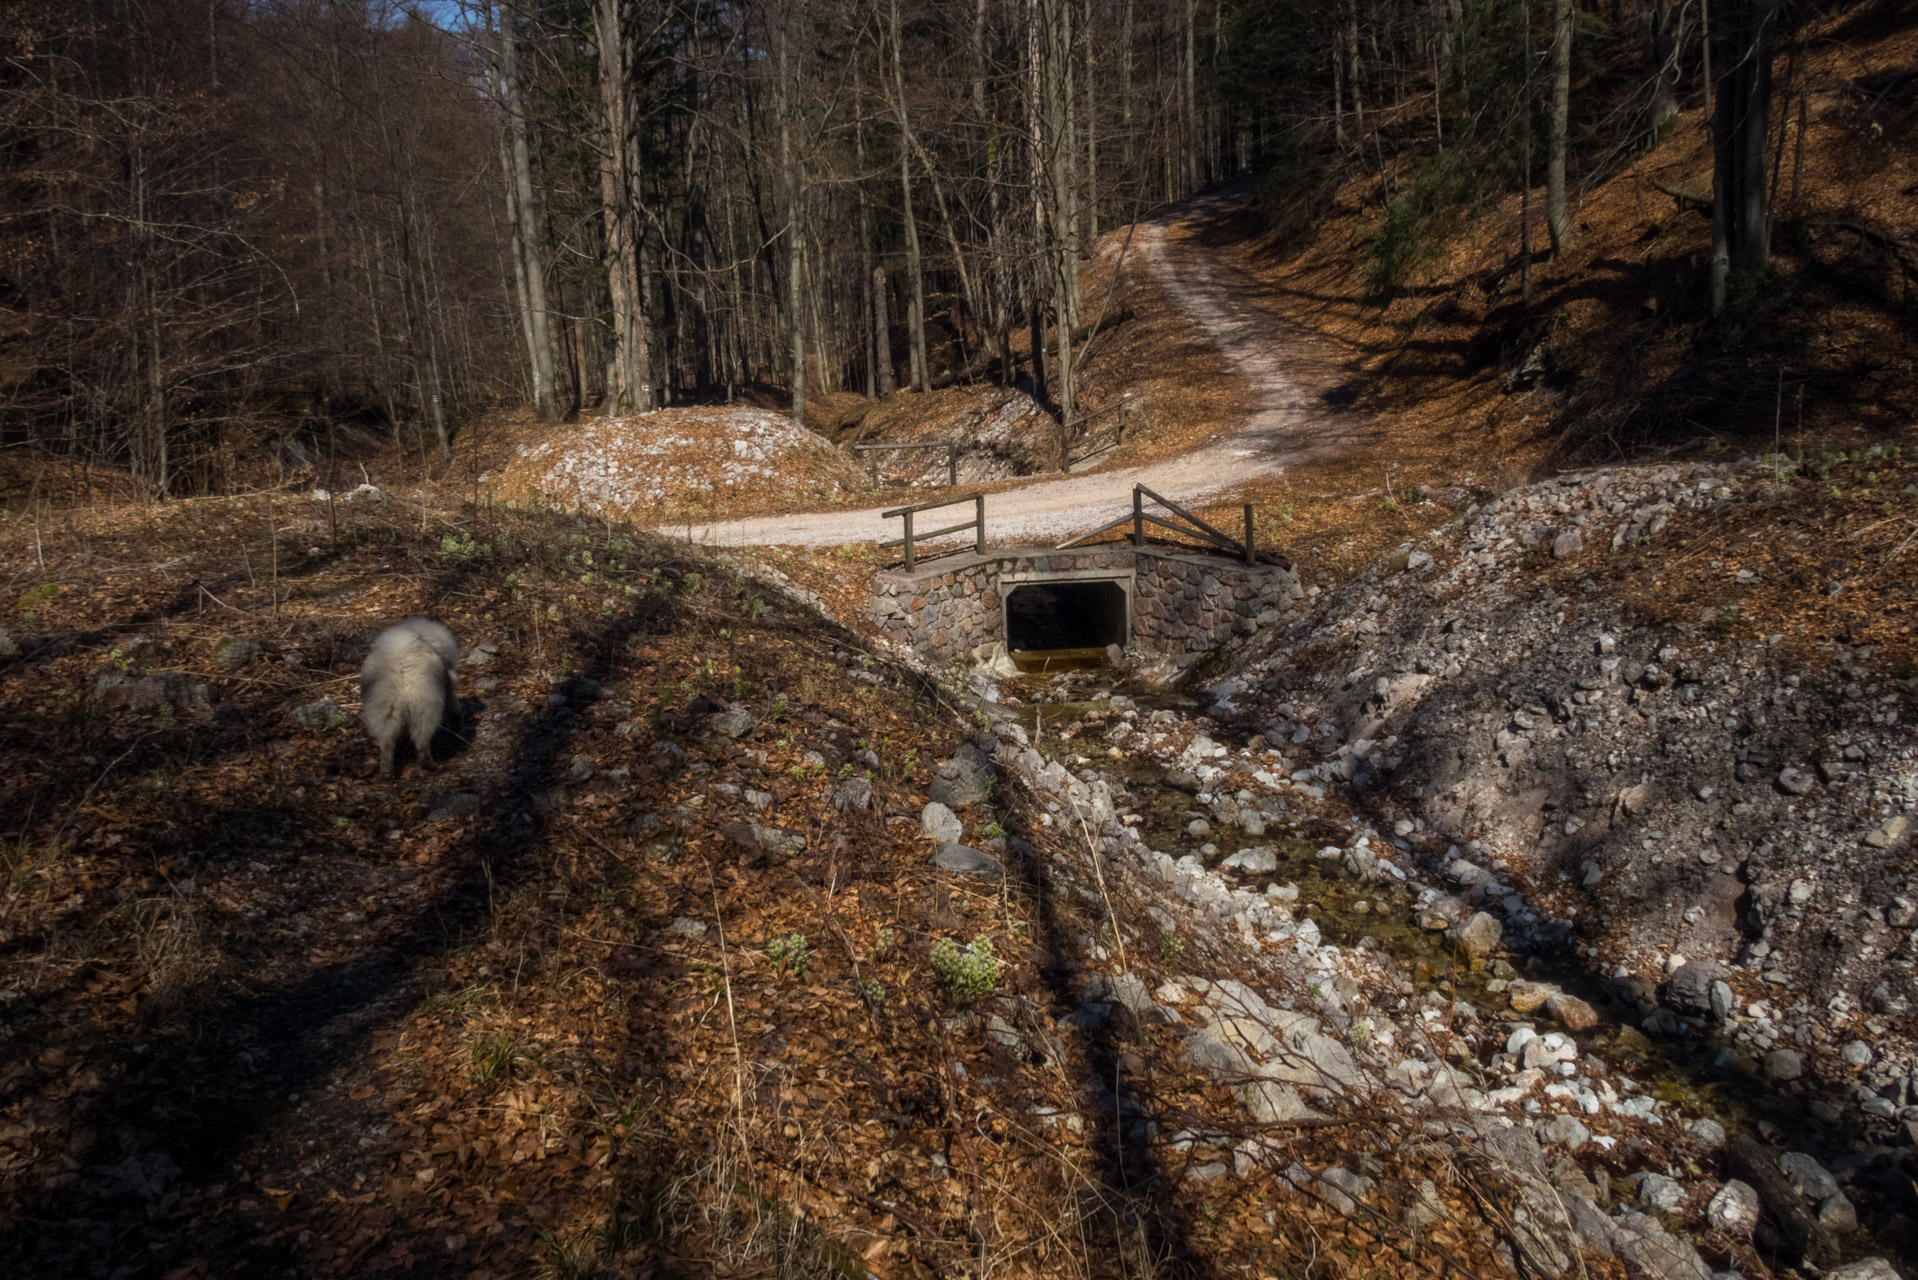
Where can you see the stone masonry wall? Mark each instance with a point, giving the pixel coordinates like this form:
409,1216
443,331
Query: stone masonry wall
1180,603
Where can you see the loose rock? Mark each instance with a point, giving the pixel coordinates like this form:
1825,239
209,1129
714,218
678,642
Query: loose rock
940,823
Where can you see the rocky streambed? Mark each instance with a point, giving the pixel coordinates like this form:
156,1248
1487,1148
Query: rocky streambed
1316,966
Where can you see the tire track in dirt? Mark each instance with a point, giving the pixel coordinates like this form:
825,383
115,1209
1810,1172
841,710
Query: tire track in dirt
1287,427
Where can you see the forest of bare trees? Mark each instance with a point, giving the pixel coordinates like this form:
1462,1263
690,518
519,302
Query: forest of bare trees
238,231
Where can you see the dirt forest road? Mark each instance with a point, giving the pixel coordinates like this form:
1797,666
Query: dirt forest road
1286,426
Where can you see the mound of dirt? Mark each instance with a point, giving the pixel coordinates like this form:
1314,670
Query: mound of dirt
1674,701
747,458
1002,432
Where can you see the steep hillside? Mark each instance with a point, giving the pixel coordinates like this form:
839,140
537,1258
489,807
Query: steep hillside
1614,356
1675,704
711,944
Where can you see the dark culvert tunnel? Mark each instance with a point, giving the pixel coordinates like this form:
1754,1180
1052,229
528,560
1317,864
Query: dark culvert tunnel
1065,615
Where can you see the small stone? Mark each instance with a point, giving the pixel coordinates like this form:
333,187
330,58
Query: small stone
1812,1179
318,715
1795,781
687,927
1799,892
1857,1053
965,860
734,722
1344,1189
779,840
1568,543
1211,1170
1566,1131
1837,1212
1198,827
1707,1133
1479,937
1527,997
1864,1269
1784,1064
853,793
1426,1208
940,823
1723,1000
1657,1191
1689,990
1253,861
1733,1210
456,806
1889,834
965,779
1571,1013
230,653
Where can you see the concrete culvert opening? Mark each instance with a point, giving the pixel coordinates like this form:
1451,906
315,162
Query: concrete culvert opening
1066,615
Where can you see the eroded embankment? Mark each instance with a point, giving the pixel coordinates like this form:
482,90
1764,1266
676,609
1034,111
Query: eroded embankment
1358,972
1508,845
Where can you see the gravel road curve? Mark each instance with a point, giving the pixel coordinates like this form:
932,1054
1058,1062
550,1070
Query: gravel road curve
1287,426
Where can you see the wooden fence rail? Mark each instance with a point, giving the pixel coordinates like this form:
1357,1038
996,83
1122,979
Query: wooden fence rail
1186,523
950,446
977,524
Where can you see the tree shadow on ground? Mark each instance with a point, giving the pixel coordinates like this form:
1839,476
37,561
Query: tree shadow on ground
162,1150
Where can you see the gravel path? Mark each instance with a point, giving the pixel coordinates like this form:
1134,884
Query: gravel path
1287,426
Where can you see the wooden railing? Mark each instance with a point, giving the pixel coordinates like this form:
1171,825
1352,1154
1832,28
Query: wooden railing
950,446
977,524
1186,523
1122,409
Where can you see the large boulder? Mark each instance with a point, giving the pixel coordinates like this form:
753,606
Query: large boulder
1654,1253
940,823
965,779
963,859
1689,989
1478,937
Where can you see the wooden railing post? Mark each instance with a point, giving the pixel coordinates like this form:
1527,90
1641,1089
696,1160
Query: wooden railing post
908,542
1251,556
952,466
979,514
874,455
1138,517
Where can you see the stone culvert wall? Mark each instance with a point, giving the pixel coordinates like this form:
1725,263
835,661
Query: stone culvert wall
1177,603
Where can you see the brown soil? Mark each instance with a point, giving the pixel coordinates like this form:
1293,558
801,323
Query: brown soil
265,1010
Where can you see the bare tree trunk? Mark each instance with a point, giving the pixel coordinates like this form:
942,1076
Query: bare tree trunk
1525,195
522,292
526,225
1125,93
628,391
1036,275
1338,92
1352,72
1092,138
979,60
872,296
916,319
1191,95
882,331
1558,218
795,238
1658,28
1059,152
1741,225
